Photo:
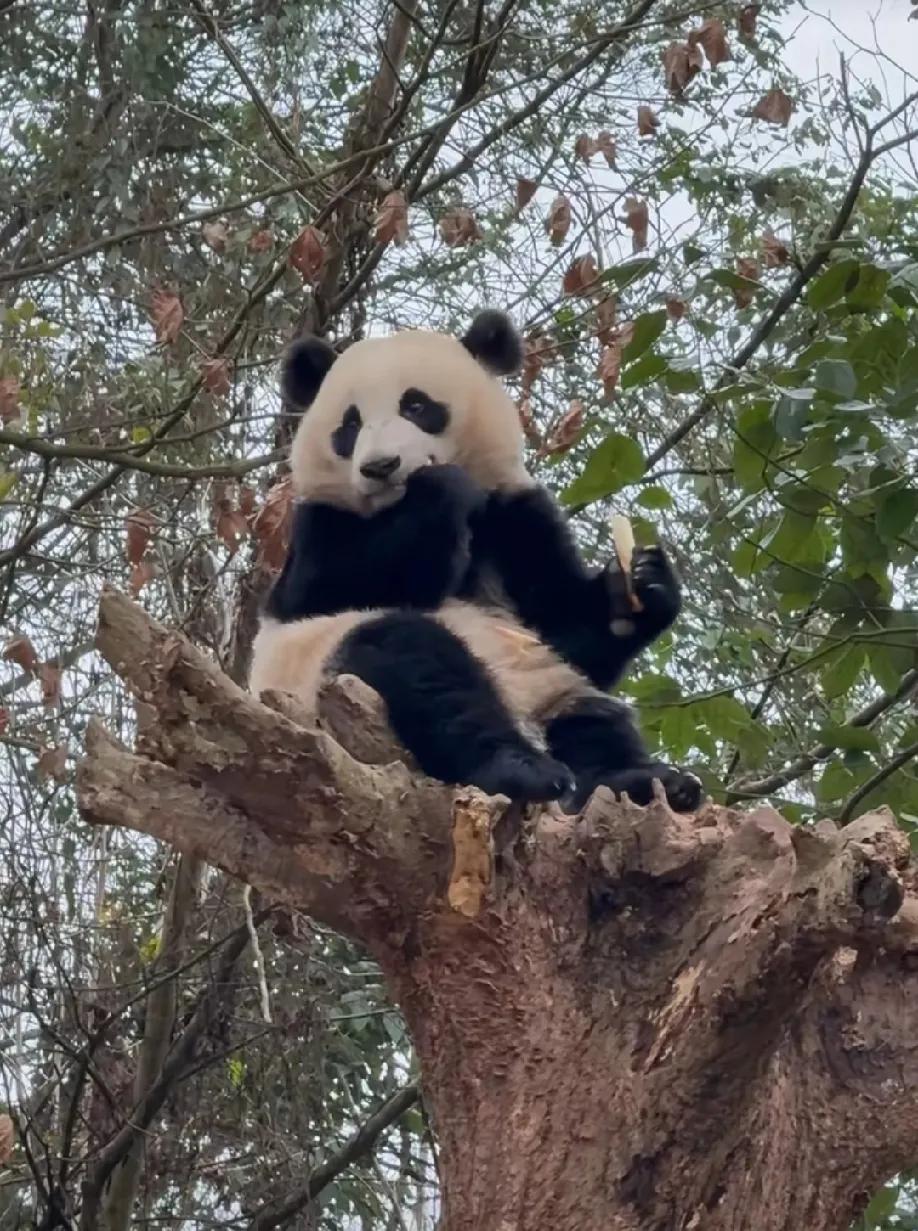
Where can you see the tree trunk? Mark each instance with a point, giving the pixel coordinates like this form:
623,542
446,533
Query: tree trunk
629,1019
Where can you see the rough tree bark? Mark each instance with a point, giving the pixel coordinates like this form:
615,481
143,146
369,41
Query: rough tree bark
625,1019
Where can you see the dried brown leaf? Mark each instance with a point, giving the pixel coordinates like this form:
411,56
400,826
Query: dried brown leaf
262,241
271,525
230,522
9,399
538,351
458,227
610,364
215,373
558,222
52,763
676,308
21,651
605,145
525,191
7,1137
49,674
247,501
637,219
775,107
167,315
580,278
307,255
4,719
141,573
775,252
647,123
606,319
584,147
712,36
215,235
681,61
528,423
140,527
566,431
746,267
392,219
747,19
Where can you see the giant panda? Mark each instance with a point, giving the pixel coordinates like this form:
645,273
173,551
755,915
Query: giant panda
425,560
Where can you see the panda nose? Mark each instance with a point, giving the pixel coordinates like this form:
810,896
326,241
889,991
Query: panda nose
380,468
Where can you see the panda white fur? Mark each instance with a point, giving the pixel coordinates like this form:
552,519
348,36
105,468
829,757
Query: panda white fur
426,561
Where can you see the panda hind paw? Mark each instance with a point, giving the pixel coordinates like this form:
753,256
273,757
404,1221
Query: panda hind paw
523,775
684,792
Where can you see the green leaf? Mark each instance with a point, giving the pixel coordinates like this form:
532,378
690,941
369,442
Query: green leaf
833,284
682,377
629,272
836,376
790,540
755,436
691,253
898,513
870,289
616,462
882,1205
842,670
836,782
8,480
655,498
792,410
645,370
647,328
860,739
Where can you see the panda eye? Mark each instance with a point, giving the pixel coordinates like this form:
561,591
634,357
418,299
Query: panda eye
344,437
430,416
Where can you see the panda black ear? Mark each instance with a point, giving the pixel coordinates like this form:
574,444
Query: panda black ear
492,339
303,368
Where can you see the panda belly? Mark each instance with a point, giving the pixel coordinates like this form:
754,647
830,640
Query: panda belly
533,682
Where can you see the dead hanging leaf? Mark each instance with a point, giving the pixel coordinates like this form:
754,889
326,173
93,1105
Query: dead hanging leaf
392,219
580,279
140,526
262,241
681,62
10,391
215,235
140,575
747,267
558,222
637,219
565,433
49,674
528,423
775,252
525,191
4,723
230,523
21,651
458,227
271,526
610,364
624,335
538,351
647,123
676,308
7,1137
52,763
747,19
712,36
215,374
167,315
606,319
605,145
584,147
775,107
247,501
307,255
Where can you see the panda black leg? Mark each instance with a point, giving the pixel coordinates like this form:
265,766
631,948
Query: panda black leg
445,708
597,739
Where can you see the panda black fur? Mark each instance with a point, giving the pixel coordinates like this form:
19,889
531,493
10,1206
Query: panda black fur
426,561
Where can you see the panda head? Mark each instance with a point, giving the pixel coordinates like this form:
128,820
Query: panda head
388,406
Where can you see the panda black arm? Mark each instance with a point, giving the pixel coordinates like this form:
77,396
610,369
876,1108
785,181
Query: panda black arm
412,554
584,614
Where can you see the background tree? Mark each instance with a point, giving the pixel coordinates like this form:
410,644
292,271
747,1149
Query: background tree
715,263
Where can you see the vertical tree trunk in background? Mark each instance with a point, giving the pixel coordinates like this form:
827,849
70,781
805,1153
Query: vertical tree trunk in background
629,1019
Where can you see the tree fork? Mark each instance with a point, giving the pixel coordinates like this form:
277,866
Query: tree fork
627,1019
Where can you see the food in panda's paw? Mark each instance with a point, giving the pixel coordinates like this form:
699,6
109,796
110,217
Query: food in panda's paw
623,543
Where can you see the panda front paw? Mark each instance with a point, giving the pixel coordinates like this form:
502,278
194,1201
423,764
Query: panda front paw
446,482
655,584
524,775
684,792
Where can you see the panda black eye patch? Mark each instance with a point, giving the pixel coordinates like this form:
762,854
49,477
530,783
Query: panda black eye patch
344,437
430,416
